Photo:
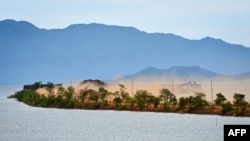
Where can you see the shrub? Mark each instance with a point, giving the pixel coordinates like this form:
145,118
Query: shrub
226,107
122,107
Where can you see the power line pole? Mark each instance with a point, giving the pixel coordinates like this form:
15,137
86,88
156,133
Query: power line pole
132,87
172,87
212,91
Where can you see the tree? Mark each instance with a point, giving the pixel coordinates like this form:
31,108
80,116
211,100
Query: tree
226,107
35,86
102,93
183,102
167,96
70,92
83,94
220,99
198,101
50,88
173,99
30,97
117,101
123,93
93,95
141,97
61,91
156,101
239,99
51,100
240,103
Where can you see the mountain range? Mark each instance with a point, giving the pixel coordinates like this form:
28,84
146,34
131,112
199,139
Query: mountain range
182,73
98,51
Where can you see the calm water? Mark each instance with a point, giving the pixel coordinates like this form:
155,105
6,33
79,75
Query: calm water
20,122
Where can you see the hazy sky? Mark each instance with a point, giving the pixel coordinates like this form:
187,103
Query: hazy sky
193,19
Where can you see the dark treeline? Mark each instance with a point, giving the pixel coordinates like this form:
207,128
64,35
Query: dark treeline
141,101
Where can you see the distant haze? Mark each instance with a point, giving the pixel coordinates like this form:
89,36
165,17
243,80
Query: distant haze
180,88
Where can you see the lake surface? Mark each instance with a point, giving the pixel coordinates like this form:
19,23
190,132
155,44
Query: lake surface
20,122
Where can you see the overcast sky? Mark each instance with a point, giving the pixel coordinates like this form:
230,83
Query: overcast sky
228,20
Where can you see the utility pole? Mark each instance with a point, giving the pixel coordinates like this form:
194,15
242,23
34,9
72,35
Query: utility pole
212,91
132,87
172,87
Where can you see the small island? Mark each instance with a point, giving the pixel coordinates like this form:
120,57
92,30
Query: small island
56,96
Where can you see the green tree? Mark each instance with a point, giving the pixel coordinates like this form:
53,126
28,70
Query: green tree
30,97
141,98
50,88
220,99
226,107
44,102
61,91
123,92
198,101
93,95
58,100
69,93
240,103
167,96
83,94
173,99
156,101
117,101
51,100
35,86
102,93
239,100
183,102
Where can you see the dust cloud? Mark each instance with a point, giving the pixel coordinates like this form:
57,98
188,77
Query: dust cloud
178,87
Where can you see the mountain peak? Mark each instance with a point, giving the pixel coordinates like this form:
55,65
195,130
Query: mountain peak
16,26
175,72
100,27
101,51
185,67
190,70
149,70
10,22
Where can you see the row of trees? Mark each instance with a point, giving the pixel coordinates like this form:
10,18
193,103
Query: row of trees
142,100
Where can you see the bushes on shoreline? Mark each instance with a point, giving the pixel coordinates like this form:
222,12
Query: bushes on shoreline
141,101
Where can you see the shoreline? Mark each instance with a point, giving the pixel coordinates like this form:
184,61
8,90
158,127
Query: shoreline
99,97
198,112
